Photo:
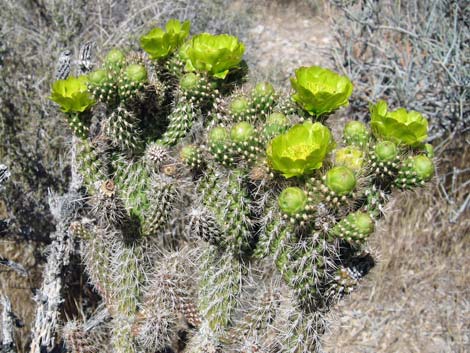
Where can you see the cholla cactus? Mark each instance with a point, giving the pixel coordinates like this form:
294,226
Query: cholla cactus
205,194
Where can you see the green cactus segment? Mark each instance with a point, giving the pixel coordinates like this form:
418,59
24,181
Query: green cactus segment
219,288
385,159
320,91
79,124
288,107
214,54
263,98
132,81
122,338
103,86
191,155
203,225
356,133
306,267
97,259
351,157
341,180
181,121
355,228
375,201
415,171
244,141
219,145
90,165
276,123
300,150
302,332
400,126
162,200
228,201
198,89
129,264
133,182
122,128
240,109
275,234
159,43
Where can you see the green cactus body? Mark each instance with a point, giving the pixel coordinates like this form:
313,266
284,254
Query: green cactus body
161,199
97,257
90,166
133,183
240,109
375,201
203,225
336,195
219,145
198,89
302,332
174,65
385,160
181,121
307,269
122,128
245,143
219,287
275,233
103,86
229,203
192,156
287,106
122,337
355,228
79,124
415,171
132,80
263,99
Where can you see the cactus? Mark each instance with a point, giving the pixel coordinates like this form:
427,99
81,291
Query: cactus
204,195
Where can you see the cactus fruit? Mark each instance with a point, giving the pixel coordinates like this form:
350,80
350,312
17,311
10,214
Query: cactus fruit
204,195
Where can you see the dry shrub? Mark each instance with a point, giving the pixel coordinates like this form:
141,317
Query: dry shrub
410,53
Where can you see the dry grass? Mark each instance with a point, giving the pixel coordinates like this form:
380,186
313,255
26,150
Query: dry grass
417,298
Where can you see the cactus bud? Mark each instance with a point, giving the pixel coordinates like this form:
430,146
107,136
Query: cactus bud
191,156
242,132
351,157
136,73
356,133
423,167
292,200
189,81
98,77
263,89
386,151
277,119
114,57
363,222
239,106
218,136
341,180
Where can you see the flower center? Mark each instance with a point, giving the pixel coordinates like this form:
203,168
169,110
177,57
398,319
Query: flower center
301,151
